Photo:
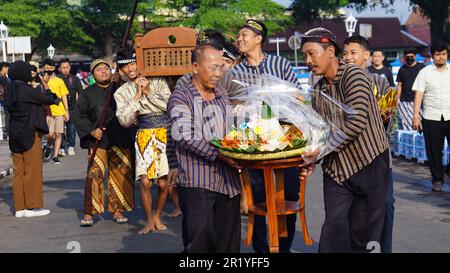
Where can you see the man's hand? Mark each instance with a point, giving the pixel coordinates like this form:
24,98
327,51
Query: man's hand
416,123
66,116
311,156
300,98
386,116
35,84
142,83
172,176
310,169
229,161
98,133
45,78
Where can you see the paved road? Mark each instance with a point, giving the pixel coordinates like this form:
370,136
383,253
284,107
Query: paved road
422,221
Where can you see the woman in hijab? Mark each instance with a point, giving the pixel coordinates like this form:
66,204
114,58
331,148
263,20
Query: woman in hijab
27,125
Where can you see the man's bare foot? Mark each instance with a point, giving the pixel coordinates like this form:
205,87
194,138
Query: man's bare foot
147,229
158,224
175,213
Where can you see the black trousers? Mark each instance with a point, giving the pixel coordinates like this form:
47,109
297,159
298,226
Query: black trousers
211,221
355,211
434,134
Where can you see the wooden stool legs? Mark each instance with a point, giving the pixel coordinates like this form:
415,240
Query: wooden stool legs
276,207
308,240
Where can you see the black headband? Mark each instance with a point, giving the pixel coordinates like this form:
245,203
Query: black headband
255,27
228,54
322,37
126,58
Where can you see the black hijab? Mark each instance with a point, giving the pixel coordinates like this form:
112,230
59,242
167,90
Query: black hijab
20,74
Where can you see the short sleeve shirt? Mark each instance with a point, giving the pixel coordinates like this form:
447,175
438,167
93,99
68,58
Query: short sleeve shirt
58,87
435,84
407,75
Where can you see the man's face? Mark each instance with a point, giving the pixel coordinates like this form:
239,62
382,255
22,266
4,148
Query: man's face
440,57
48,67
410,58
377,58
130,70
209,68
102,74
247,40
5,70
64,68
229,63
317,58
354,53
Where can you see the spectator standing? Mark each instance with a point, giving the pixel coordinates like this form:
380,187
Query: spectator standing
432,87
27,125
377,67
74,86
60,112
405,95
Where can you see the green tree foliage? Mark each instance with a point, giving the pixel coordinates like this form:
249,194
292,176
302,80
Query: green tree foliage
224,16
45,22
105,21
96,27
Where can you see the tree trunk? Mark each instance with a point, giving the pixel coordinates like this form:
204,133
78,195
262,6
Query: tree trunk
108,45
439,23
437,12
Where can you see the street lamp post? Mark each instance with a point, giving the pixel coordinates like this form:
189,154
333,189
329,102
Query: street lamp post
350,24
3,36
277,41
51,51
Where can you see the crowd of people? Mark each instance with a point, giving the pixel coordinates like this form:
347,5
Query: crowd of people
152,134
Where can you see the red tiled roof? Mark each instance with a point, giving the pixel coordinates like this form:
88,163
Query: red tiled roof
386,33
423,33
419,26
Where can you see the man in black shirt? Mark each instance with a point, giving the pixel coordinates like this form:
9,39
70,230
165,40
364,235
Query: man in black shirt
405,95
74,86
113,153
377,67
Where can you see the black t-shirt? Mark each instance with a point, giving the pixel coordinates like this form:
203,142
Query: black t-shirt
384,71
73,85
407,75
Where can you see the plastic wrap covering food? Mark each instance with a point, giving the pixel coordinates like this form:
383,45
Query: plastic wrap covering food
270,115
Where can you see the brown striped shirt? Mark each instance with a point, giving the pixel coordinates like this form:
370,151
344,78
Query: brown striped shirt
363,137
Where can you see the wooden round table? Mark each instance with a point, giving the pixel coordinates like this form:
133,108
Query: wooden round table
276,207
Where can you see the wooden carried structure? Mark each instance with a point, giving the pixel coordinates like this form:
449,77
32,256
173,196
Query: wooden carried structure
165,51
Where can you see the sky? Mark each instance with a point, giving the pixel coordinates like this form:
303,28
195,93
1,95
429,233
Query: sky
401,7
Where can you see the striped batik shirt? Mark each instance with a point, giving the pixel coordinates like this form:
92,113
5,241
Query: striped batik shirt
194,121
272,65
362,136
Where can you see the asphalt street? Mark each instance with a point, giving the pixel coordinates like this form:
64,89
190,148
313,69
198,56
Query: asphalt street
422,218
